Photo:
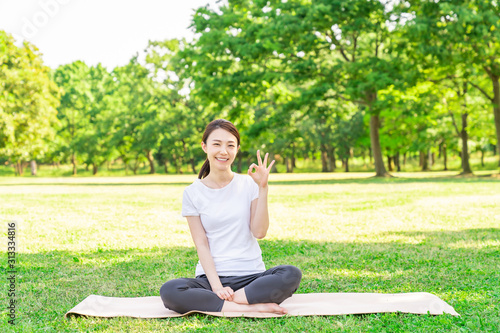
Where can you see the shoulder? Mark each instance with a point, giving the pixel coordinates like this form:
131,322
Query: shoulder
244,179
247,184
192,188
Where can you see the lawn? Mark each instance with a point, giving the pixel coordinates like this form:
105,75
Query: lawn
124,236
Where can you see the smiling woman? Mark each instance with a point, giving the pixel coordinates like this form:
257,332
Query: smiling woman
221,142
226,213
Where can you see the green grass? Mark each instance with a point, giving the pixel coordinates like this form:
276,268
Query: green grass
124,236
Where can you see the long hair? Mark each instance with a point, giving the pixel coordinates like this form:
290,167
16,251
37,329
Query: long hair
212,126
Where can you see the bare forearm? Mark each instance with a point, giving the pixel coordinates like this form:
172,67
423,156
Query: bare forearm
207,262
260,223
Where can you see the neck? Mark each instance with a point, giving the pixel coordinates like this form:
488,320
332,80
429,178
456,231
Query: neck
221,176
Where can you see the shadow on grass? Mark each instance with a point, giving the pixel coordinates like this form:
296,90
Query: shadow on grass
466,275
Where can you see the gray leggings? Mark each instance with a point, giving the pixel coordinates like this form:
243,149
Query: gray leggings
272,286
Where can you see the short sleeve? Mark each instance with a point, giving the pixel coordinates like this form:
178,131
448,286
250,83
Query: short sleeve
254,189
188,208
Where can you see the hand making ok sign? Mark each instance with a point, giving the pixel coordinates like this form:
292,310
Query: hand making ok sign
261,174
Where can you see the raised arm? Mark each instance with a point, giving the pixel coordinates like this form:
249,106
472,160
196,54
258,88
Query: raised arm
259,218
207,261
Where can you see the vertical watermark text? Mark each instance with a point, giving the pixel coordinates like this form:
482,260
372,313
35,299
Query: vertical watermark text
12,228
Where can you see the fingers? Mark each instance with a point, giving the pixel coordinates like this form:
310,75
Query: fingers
259,158
225,293
230,292
260,163
271,165
253,165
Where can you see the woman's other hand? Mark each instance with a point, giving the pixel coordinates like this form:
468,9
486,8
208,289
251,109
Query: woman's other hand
261,174
225,293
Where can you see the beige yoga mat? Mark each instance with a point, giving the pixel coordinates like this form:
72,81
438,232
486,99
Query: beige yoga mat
323,304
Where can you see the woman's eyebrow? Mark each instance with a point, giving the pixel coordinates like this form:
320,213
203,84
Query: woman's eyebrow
230,141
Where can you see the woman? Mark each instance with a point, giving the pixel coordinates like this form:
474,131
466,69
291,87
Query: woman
226,212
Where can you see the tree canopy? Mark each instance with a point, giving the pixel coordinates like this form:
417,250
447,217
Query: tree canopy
301,79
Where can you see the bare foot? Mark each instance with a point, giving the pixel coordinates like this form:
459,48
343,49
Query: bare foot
272,308
260,307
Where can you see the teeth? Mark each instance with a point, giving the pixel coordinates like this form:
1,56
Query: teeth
220,159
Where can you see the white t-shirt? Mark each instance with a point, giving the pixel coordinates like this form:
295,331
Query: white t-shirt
225,215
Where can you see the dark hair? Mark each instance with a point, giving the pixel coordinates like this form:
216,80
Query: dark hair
215,124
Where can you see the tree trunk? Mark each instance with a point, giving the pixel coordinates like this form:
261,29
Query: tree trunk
431,160
404,159
136,165
95,168
496,107
482,157
193,165
18,166
165,165
376,149
273,168
465,145
292,160
424,158
289,166
151,160
347,164
73,161
331,155
389,163
33,167
445,157
324,158
397,162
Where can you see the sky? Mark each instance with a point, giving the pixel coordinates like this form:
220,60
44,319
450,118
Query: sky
109,32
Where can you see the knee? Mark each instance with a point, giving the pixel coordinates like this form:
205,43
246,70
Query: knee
291,276
169,292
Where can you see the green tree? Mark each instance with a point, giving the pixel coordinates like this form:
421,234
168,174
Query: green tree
181,117
76,124
338,49
465,32
137,134
96,139
28,101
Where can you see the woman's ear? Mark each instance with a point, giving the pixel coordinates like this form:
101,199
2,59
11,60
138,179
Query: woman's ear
204,146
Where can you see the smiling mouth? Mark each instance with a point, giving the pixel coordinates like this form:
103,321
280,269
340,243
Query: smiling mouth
221,159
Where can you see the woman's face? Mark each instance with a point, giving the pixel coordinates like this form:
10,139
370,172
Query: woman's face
221,149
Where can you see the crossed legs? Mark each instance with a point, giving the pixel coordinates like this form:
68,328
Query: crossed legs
260,292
